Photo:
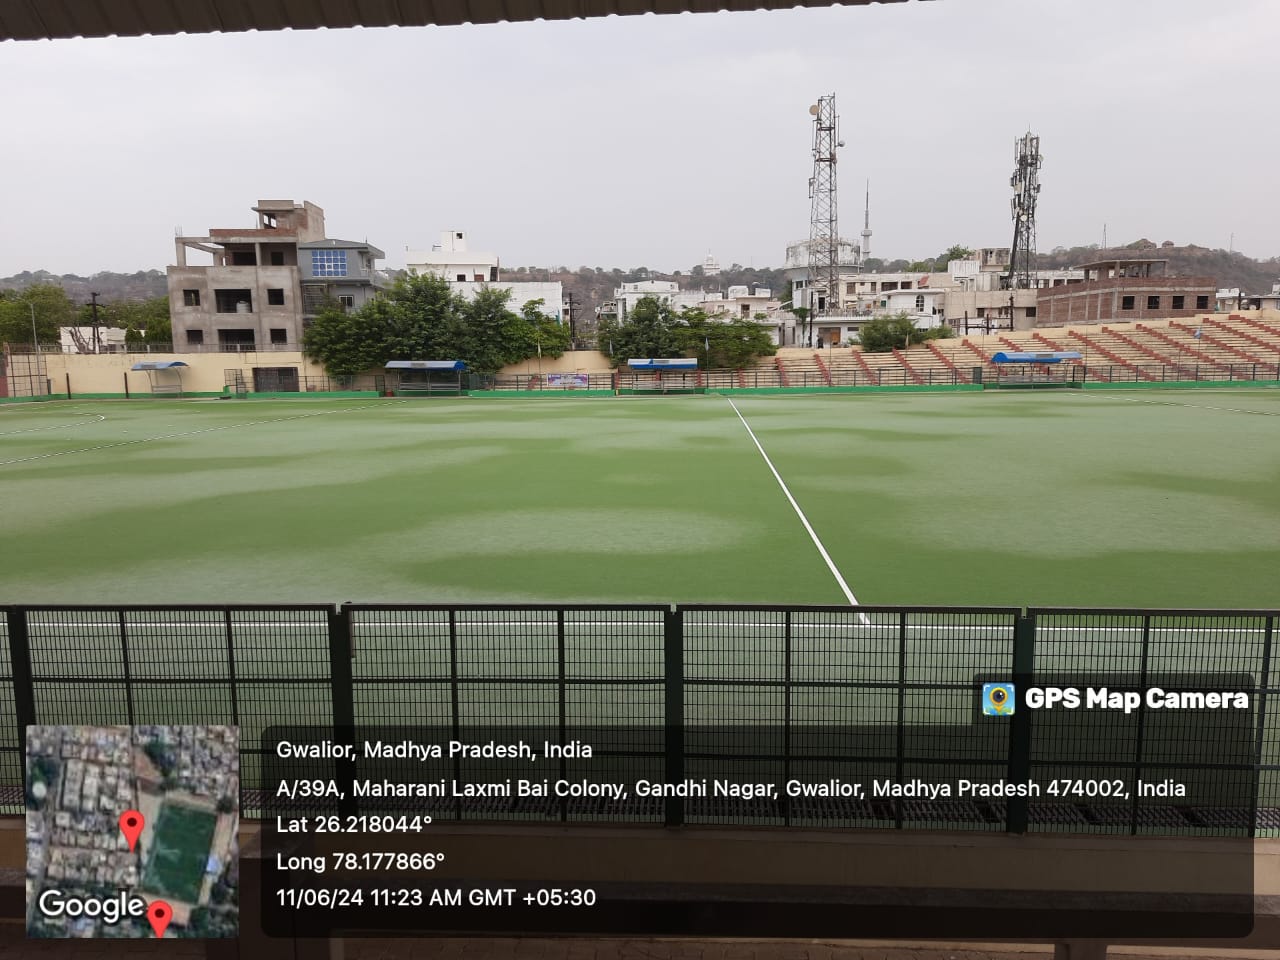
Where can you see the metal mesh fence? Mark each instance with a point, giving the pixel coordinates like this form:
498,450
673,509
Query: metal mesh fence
749,694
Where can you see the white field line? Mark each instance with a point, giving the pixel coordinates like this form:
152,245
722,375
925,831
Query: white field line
56,426
188,433
1176,403
835,572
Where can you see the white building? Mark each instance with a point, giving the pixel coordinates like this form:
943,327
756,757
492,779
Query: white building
451,260
628,295
760,305
80,340
470,271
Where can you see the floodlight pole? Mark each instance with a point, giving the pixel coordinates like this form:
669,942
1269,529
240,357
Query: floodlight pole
35,337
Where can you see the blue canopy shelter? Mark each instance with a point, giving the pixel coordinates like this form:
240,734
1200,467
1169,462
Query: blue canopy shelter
660,376
679,363
165,376
1041,369
428,377
1053,356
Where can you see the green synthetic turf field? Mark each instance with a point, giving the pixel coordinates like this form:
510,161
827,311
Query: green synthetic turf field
1123,498
180,852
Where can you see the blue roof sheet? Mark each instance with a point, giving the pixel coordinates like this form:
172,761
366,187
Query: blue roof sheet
1056,356
426,365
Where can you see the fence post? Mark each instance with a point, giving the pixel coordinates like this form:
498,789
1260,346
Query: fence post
1024,656
344,709
24,693
673,674
1264,681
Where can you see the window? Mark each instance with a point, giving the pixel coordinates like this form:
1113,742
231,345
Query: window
191,298
1153,303
1031,312
328,263
1126,303
233,301
919,303
279,335
1202,302
243,258
275,297
1179,303
493,274
347,300
277,258
195,338
462,278
236,339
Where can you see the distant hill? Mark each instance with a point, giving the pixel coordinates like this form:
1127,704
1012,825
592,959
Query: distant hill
142,285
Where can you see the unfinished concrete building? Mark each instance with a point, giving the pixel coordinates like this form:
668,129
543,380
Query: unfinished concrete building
1124,290
265,281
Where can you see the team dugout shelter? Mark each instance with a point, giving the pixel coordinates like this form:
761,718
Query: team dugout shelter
649,376
164,376
1050,368
426,377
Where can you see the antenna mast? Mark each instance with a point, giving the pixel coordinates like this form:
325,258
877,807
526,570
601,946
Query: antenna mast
1026,188
865,252
824,238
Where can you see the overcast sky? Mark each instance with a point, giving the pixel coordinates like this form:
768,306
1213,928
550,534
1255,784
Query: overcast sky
649,141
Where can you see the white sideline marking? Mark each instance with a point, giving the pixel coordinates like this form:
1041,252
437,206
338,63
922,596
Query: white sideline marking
56,426
835,572
1176,403
187,433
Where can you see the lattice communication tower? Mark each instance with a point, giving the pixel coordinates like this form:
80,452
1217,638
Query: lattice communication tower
823,280
1026,188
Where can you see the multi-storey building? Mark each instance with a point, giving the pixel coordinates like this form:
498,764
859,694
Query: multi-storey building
265,281
1124,290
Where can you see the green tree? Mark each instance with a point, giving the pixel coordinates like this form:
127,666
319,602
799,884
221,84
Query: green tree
720,345
884,334
422,318
955,252
52,307
540,334
650,330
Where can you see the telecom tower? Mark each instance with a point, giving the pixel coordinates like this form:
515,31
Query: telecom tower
823,280
865,253
1026,187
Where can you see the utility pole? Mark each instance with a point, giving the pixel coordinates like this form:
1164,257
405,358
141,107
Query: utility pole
97,341
572,303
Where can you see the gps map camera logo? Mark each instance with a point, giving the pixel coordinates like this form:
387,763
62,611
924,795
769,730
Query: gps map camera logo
998,699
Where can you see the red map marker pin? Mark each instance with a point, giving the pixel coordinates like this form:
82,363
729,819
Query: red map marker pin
131,822
159,913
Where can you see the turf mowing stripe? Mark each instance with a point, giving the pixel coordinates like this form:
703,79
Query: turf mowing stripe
188,433
835,572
